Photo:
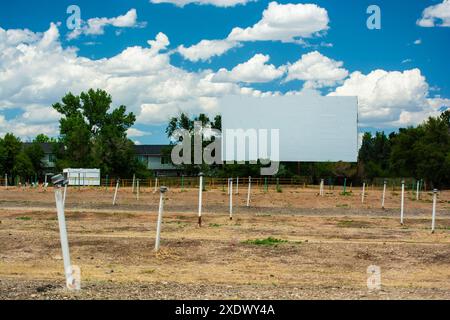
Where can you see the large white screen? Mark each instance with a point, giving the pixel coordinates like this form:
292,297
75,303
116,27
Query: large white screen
311,128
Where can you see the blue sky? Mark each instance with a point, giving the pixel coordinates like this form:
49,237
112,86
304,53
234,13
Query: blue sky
413,63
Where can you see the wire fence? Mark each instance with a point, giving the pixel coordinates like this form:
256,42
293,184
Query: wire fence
264,183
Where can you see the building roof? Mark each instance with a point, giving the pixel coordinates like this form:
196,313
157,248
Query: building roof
47,147
153,149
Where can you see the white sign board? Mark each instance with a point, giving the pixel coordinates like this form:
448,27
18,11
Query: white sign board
310,128
82,177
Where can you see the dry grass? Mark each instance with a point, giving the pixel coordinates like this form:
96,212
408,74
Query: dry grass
322,250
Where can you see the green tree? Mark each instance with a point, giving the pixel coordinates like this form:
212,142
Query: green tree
10,147
35,154
42,138
23,167
92,135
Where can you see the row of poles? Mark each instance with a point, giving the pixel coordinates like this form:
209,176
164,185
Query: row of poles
402,203
72,280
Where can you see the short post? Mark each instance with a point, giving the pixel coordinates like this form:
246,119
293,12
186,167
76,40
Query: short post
115,192
182,183
418,190
237,185
156,185
433,220
71,283
65,193
200,199
134,181
106,186
162,191
322,185
402,203
249,191
266,187
231,198
384,194
6,181
137,189
345,186
363,192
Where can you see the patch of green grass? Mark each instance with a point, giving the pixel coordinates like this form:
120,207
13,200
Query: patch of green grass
23,218
346,194
270,241
215,225
344,205
279,190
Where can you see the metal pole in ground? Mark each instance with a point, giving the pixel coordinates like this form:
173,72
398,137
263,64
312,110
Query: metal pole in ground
231,198
162,191
134,181
237,185
249,191
156,185
363,192
65,193
402,203
6,181
200,199
384,194
58,182
418,191
137,189
433,220
115,192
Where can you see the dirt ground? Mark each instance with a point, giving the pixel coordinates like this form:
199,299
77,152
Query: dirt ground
327,245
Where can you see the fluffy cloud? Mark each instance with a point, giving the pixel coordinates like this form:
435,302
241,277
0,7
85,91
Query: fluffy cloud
35,72
254,70
280,22
206,49
96,26
437,15
217,3
286,23
391,98
317,70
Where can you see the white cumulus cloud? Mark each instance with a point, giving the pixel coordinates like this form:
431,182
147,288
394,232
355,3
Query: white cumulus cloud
437,15
280,22
96,26
286,23
391,98
255,70
317,70
217,3
206,49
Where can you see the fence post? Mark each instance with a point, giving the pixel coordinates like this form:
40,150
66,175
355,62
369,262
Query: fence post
115,192
249,191
384,194
162,191
433,220
402,203
200,199
418,191
231,199
58,182
363,192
